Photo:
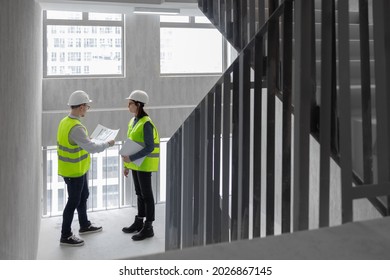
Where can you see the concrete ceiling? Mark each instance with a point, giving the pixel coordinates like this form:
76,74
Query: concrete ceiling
187,7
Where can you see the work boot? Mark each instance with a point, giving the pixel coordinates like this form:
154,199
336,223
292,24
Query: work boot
136,226
146,232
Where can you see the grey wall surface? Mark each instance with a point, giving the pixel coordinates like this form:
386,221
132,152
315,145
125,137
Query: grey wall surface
171,98
20,142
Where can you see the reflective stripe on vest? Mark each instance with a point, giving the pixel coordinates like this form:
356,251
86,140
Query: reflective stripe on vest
73,161
136,133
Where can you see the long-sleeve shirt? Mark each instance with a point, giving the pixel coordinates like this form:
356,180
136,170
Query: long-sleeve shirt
78,135
148,140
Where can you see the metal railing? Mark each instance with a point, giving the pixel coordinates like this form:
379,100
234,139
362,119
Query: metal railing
109,189
243,164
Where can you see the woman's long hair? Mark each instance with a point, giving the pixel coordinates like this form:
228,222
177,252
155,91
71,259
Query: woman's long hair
140,112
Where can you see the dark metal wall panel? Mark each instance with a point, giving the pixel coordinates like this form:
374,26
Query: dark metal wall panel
229,20
244,142
325,113
287,113
382,87
173,203
257,134
188,179
202,174
177,197
370,191
225,178
235,153
381,10
209,166
217,166
302,98
261,13
236,8
345,111
216,13
272,89
197,230
222,14
366,91
200,4
252,18
210,10
169,194
244,19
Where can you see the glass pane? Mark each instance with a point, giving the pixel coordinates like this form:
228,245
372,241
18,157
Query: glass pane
64,15
92,199
110,196
190,50
93,170
110,167
61,200
49,171
202,20
104,16
49,201
84,50
174,19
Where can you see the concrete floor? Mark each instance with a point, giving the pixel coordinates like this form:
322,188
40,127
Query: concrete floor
110,244
366,240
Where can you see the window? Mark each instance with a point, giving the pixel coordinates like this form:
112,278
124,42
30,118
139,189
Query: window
83,44
190,45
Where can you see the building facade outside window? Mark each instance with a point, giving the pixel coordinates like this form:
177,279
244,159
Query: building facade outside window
190,45
86,44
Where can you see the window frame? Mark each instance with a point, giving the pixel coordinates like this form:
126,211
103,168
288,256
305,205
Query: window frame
82,22
194,25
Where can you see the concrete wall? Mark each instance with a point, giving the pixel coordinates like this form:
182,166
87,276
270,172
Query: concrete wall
20,114
362,208
171,98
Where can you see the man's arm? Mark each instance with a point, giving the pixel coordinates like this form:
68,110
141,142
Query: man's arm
79,136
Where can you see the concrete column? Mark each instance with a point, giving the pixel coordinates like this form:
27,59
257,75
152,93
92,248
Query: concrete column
20,116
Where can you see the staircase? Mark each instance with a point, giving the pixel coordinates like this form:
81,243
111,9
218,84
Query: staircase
255,18
304,99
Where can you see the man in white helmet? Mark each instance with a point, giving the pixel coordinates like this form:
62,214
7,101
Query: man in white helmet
74,148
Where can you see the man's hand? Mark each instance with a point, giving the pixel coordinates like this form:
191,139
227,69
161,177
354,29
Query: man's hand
111,143
125,172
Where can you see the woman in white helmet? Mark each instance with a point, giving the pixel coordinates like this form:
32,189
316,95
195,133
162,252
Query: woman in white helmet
142,130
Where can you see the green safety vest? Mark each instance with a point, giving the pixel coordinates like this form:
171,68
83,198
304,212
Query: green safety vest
73,161
136,134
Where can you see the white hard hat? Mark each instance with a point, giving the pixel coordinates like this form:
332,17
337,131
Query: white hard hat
139,95
78,97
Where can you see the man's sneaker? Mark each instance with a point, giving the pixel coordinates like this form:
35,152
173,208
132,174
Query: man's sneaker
71,241
90,229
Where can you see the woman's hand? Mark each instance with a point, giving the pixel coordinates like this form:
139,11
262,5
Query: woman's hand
126,158
125,172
